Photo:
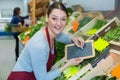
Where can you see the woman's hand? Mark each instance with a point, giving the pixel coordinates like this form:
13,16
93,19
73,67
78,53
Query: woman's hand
78,41
74,61
71,62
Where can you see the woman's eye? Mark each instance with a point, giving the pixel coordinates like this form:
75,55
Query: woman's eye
54,19
64,19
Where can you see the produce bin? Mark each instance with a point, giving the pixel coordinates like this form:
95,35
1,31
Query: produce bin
81,16
87,65
105,66
109,26
88,27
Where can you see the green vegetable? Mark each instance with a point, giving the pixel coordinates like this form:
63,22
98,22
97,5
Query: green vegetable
95,78
60,51
8,27
43,19
62,77
113,34
100,44
112,78
70,71
102,77
99,24
69,10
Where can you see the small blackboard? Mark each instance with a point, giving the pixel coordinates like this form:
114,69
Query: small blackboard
72,51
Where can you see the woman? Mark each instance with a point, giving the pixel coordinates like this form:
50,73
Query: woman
39,53
18,20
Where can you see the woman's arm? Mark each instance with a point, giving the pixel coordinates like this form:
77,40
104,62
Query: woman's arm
25,17
64,38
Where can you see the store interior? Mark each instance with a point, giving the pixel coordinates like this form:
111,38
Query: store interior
109,12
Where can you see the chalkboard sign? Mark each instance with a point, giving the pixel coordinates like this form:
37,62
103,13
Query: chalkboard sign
72,51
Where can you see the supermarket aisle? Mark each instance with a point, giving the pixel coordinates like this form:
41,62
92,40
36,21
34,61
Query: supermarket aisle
7,56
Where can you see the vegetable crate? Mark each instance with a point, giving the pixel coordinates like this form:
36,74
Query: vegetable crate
71,19
82,19
85,68
111,25
93,15
96,14
95,24
105,66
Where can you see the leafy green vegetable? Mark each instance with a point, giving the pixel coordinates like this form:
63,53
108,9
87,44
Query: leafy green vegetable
112,78
60,51
113,34
98,24
70,71
69,10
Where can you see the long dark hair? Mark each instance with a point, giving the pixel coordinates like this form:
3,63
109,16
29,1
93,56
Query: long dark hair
56,5
16,11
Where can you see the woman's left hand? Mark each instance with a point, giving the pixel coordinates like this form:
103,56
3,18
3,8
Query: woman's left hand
78,41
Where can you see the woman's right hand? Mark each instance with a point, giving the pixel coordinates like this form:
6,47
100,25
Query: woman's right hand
71,62
74,61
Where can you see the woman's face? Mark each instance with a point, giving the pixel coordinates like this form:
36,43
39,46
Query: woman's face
56,21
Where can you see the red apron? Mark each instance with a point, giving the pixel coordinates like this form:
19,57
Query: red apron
22,75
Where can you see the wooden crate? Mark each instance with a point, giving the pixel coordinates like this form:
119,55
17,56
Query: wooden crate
84,69
86,28
81,72
115,45
103,68
80,17
106,65
96,14
111,25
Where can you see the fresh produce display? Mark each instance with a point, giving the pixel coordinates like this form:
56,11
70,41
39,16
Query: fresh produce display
78,67
98,24
82,22
69,72
113,34
26,35
100,44
60,51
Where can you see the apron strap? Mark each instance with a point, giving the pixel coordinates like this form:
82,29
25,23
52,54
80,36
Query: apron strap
52,57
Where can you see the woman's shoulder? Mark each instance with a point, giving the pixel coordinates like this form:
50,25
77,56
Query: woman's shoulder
37,39
14,17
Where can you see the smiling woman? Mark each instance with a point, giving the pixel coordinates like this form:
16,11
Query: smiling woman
39,53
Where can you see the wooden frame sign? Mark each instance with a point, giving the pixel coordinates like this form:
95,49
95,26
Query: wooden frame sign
72,51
